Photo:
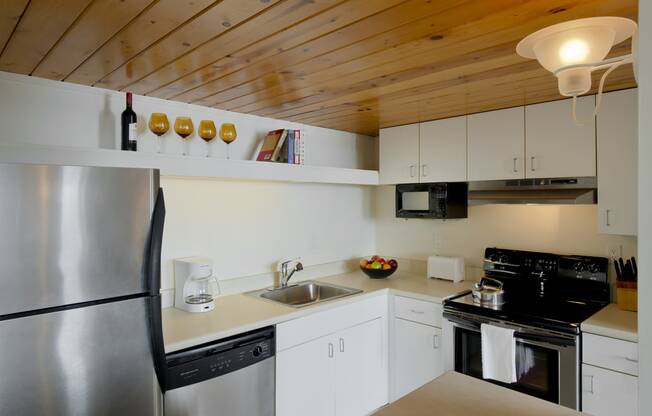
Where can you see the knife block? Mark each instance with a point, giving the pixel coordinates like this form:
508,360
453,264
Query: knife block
627,294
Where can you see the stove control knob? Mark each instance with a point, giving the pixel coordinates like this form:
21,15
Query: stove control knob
594,268
257,351
504,258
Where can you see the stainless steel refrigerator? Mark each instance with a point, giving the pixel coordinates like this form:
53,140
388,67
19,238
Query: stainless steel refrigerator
80,309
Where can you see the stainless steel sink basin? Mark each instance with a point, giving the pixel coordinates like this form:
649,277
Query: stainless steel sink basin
304,293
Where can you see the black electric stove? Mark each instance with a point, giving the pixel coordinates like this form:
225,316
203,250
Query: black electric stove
543,290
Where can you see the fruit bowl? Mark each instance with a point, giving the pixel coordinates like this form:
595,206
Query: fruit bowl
378,268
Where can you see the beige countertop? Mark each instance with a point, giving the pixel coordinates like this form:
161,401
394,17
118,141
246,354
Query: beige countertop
455,394
235,314
613,322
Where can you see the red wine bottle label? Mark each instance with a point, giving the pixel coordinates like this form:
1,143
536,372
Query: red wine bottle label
132,132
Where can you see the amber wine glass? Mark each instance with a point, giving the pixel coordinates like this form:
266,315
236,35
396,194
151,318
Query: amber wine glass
228,135
207,132
159,125
184,128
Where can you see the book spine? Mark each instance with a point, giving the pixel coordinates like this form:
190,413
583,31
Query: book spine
295,156
290,147
302,148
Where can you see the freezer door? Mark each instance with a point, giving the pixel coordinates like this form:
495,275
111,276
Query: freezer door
94,360
72,234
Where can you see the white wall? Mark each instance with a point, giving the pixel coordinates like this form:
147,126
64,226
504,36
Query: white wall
246,226
645,208
550,228
39,111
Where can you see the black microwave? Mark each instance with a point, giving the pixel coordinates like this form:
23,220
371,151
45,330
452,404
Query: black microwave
432,200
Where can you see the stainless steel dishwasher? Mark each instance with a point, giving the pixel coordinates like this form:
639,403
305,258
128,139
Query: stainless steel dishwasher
230,377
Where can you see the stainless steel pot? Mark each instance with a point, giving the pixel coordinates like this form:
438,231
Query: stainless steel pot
488,292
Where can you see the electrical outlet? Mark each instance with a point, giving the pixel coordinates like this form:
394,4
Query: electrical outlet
437,243
614,252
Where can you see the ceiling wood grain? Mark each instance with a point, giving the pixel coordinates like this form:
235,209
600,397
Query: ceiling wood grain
355,65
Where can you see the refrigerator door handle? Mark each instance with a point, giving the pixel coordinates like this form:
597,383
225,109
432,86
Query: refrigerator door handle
156,339
153,253
153,279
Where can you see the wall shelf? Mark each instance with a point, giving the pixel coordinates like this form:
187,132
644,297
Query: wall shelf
186,166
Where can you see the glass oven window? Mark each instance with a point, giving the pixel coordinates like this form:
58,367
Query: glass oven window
537,368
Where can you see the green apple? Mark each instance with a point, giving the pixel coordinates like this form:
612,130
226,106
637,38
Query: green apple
376,265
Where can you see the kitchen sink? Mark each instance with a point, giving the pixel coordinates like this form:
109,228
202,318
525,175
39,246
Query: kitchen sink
304,293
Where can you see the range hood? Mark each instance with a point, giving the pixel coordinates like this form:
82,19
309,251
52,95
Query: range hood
534,191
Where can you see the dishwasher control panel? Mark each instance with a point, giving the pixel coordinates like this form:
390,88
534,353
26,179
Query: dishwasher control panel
206,361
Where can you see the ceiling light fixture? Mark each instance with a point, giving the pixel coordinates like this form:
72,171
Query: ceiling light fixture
572,50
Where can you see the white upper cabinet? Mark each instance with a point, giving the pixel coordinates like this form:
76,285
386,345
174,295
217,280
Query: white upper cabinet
442,145
555,146
496,141
399,154
617,163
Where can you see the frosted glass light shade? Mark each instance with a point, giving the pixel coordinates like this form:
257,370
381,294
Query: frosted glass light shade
576,42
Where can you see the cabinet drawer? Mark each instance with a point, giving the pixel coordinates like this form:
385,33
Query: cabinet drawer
321,323
610,353
418,311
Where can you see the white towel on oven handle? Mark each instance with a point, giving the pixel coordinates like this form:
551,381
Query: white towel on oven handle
498,353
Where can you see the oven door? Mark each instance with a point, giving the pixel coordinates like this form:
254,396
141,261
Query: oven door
546,361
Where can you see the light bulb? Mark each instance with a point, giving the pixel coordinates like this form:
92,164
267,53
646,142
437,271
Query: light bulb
573,52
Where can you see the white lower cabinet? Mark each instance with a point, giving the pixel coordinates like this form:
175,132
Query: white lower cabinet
305,377
608,393
417,356
343,372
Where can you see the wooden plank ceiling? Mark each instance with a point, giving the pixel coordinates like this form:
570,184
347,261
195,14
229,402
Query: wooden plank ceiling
354,65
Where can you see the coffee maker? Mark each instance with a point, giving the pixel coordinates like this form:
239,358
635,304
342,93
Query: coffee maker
195,286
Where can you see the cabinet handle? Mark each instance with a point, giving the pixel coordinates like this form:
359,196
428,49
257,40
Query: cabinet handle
515,167
587,384
631,360
413,171
423,170
532,163
607,215
330,350
416,311
435,342
341,344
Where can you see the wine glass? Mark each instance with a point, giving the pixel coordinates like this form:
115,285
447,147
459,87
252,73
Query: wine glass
207,132
159,125
184,128
228,134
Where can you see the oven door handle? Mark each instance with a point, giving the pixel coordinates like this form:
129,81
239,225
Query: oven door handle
546,341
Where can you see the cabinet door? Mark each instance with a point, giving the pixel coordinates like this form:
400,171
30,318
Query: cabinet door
608,393
399,154
617,163
497,145
555,146
442,150
361,369
305,379
417,356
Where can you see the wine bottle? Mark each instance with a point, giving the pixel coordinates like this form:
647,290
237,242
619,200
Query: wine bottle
129,120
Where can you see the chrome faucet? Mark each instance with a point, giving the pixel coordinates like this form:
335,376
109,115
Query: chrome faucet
283,267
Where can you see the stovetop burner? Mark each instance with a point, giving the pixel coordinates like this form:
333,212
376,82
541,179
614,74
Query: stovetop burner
542,289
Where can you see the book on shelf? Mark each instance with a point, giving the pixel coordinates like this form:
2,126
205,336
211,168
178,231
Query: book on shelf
269,145
283,146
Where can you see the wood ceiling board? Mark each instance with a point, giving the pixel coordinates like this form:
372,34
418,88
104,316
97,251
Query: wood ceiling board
298,31
222,18
154,23
97,24
286,61
514,34
41,26
10,12
398,46
250,31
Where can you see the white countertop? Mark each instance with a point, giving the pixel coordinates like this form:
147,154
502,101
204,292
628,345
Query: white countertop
613,322
235,314
455,394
